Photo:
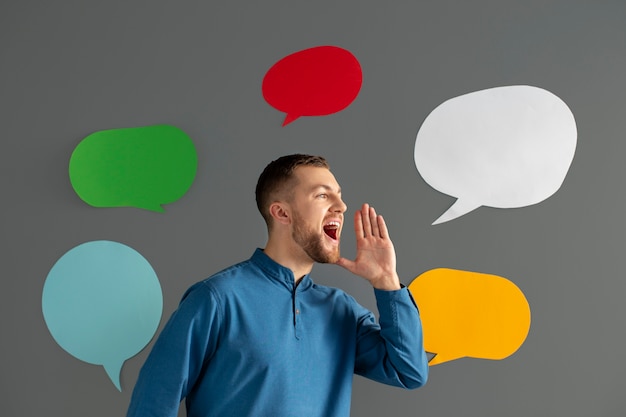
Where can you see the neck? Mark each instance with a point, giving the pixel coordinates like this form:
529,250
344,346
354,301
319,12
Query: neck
289,256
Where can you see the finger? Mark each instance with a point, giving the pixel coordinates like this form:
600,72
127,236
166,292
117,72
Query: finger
373,217
365,220
358,225
384,232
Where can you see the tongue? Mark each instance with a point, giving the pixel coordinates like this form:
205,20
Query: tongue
331,231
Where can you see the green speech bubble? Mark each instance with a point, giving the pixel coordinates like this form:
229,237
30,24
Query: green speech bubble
144,167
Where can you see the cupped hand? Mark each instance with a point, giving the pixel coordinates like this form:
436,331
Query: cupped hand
375,255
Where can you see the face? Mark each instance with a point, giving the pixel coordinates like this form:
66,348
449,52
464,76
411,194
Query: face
317,213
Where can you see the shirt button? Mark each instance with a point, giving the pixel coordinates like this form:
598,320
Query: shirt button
297,311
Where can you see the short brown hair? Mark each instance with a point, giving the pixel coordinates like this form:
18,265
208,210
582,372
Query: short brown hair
277,174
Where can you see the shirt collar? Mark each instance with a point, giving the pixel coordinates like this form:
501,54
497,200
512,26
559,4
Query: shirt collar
279,273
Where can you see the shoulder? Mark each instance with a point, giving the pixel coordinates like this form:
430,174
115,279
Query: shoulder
332,292
207,298
226,277
222,283
339,297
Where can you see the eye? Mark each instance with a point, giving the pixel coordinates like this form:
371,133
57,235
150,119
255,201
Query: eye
323,196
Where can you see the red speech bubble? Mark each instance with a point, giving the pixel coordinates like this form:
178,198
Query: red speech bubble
313,82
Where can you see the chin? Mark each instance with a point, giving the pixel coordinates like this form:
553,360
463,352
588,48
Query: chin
330,257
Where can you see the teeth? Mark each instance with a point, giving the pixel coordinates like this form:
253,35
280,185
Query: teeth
335,224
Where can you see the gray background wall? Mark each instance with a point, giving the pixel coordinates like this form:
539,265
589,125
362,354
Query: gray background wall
70,68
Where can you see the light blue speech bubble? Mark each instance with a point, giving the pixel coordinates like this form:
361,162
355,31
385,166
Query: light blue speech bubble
102,303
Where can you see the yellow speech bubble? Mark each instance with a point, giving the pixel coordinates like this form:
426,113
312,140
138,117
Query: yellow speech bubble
469,314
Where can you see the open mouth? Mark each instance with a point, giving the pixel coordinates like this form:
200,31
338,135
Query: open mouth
331,229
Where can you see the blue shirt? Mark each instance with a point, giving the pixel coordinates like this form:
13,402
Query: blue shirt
249,342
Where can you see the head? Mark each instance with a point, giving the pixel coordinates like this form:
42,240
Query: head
277,180
301,203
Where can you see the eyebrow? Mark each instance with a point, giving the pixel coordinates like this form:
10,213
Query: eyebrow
326,187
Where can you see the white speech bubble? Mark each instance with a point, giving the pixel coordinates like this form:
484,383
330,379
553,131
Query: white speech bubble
505,147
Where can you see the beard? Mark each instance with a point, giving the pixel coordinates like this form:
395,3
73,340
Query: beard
312,243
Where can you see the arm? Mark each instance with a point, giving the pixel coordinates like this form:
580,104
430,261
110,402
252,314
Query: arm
393,352
174,364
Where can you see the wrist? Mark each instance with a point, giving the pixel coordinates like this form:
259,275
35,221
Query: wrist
391,283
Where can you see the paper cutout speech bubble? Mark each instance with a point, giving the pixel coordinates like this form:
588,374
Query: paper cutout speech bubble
102,303
142,167
504,147
467,314
313,82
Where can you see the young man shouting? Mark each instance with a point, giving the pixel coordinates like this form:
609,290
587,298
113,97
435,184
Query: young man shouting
262,339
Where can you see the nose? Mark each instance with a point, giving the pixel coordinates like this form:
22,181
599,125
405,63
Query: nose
339,206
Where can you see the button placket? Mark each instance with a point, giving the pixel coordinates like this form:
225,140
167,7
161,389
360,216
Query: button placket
296,315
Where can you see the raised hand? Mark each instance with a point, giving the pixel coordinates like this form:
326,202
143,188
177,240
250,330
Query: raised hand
375,255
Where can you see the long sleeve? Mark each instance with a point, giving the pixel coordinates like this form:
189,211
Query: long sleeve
175,362
392,352
242,339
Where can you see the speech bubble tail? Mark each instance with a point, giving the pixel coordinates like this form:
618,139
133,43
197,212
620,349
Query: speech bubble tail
458,209
156,208
439,359
290,118
114,371
435,360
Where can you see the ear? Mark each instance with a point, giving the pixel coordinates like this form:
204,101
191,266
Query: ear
280,212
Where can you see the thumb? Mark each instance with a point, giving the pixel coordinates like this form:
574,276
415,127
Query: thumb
346,264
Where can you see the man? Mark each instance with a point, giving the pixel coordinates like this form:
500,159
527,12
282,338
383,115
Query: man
261,339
